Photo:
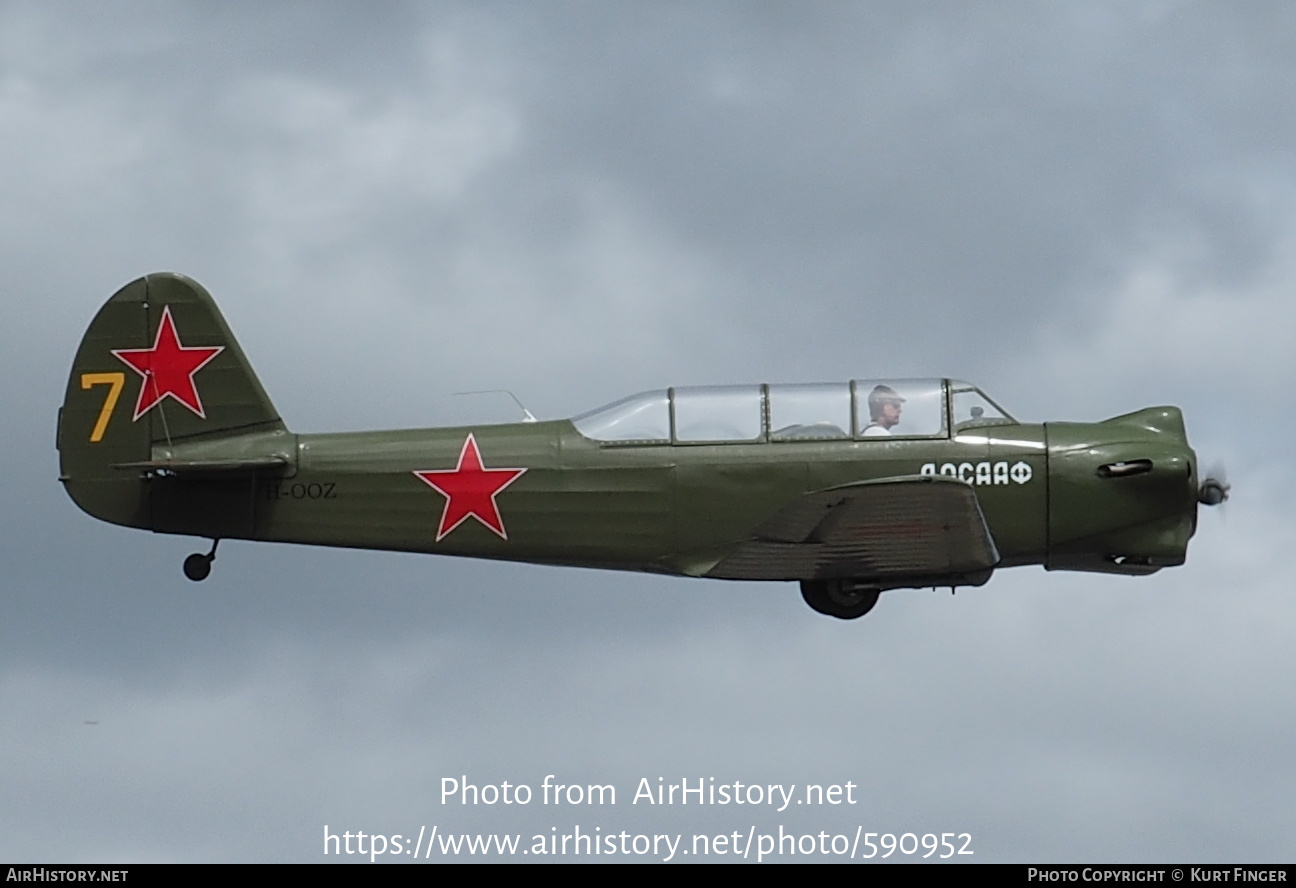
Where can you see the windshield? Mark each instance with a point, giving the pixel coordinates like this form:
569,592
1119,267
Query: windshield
971,407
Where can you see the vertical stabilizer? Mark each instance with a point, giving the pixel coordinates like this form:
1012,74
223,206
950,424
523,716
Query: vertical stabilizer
157,369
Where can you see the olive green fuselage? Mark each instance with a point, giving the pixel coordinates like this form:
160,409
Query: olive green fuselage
676,508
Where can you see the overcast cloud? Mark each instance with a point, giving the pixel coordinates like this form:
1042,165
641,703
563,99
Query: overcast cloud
1085,208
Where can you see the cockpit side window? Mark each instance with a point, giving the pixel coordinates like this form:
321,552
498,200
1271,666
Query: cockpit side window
899,408
809,412
718,413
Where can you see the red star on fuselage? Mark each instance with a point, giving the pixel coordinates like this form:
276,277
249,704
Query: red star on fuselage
168,368
470,490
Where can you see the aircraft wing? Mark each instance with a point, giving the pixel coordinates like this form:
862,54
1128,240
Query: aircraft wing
915,529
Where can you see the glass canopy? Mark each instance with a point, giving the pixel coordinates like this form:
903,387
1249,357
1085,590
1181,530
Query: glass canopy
862,409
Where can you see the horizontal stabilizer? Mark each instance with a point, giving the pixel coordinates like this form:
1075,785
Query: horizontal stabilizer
204,466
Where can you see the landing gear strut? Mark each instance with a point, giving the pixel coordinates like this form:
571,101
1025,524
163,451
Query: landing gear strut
845,599
197,566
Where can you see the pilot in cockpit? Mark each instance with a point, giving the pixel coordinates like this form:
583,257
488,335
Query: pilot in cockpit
884,411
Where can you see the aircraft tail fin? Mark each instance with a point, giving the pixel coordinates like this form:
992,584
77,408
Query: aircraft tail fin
158,374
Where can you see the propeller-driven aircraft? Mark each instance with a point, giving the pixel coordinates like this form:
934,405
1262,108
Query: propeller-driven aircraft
850,488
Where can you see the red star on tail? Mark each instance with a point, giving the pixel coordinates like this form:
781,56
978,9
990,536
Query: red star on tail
168,368
470,490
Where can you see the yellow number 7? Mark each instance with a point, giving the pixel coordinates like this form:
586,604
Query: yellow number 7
115,381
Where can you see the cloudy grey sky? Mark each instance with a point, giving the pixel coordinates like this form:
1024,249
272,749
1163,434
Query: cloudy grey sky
1086,208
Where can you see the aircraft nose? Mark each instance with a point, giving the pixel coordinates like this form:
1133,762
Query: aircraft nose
1122,496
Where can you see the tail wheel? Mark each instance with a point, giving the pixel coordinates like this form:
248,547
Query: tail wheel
197,566
844,599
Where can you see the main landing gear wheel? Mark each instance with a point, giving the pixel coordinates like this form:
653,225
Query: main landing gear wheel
844,599
197,566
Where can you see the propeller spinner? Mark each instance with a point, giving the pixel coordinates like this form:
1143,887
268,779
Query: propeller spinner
1214,488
